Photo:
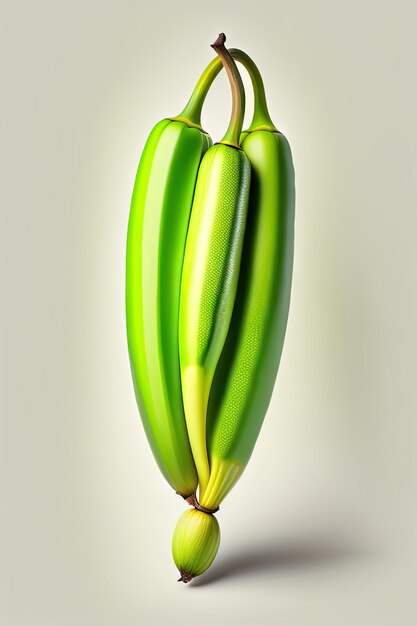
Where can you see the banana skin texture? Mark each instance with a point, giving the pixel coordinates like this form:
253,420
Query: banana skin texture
157,231
209,283
246,372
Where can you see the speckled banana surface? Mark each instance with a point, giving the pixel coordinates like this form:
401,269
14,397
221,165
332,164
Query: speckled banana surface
211,269
246,372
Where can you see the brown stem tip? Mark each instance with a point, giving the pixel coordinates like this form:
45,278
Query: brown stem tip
192,501
220,41
185,578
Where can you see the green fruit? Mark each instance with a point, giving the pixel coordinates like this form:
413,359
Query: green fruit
211,271
157,231
246,372
195,543
247,369
208,282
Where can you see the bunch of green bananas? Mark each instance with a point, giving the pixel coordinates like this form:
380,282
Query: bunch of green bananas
208,278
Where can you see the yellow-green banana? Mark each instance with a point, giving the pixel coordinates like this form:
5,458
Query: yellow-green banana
211,267
157,231
247,368
208,281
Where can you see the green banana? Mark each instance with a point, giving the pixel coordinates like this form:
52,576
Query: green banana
248,366
208,281
211,267
157,230
247,369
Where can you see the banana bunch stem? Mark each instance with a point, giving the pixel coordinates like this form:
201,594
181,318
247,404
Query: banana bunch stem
232,135
261,118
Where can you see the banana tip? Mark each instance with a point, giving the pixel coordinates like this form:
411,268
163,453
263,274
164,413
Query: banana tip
220,41
185,578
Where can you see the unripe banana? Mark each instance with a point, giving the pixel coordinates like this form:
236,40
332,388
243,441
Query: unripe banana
246,373
247,369
157,231
211,269
208,282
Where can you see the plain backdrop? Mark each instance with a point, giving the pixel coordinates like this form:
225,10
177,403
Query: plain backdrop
321,529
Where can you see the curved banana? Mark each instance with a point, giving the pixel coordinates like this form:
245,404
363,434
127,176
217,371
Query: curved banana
246,373
157,231
211,267
245,376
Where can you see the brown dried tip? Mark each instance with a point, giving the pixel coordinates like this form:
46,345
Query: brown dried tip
192,501
220,41
185,578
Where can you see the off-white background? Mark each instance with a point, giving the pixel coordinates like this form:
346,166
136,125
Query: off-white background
321,528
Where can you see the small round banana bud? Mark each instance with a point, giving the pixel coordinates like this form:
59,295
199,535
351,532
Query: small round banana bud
195,543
